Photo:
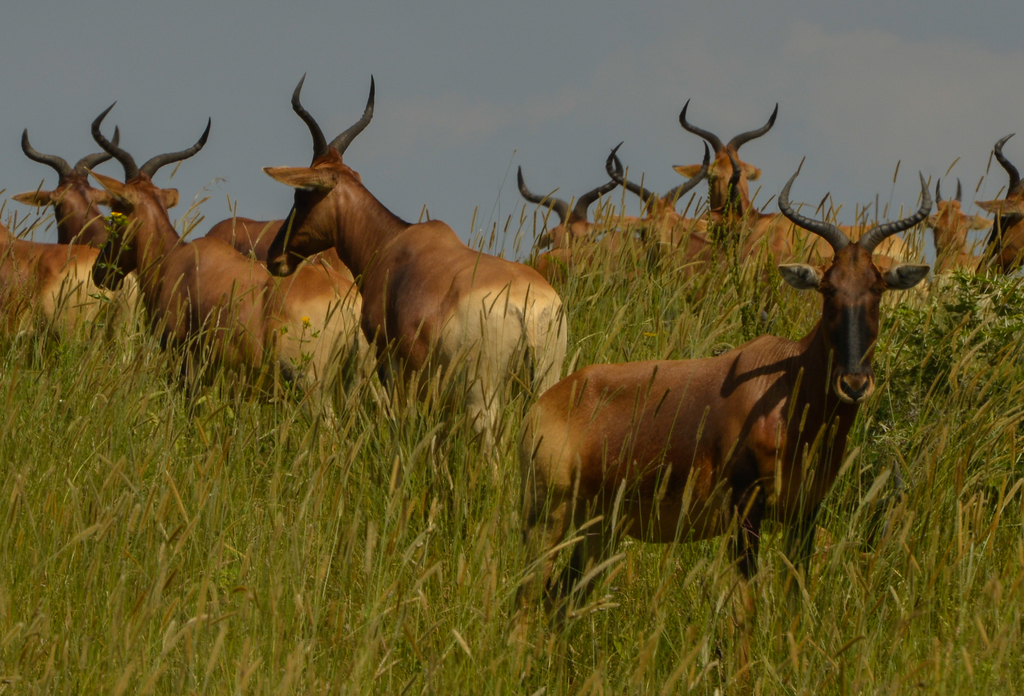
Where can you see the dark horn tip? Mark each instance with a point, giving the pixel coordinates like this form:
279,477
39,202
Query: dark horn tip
206,133
298,87
707,154
682,114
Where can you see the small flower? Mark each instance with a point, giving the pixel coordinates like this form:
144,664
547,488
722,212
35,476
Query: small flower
305,322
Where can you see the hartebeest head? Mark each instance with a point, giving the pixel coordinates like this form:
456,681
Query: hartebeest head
851,288
308,228
1006,242
141,202
79,220
651,200
721,170
572,223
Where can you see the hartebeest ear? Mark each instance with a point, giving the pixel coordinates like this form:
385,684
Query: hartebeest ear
117,190
36,198
687,170
801,275
751,172
905,276
99,196
305,178
977,222
1002,206
170,197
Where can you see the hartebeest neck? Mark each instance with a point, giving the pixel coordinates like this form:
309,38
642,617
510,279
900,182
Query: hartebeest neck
360,226
818,362
153,237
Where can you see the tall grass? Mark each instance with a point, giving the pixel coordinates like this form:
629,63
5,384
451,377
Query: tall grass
239,543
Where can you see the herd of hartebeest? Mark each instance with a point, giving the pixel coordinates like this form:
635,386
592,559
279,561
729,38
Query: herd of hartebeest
661,450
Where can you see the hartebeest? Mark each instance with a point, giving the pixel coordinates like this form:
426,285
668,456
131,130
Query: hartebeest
47,285
1006,243
429,301
685,450
206,294
673,233
75,202
573,240
950,226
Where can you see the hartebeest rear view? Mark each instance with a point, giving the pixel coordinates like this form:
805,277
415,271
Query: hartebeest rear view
692,449
429,301
205,294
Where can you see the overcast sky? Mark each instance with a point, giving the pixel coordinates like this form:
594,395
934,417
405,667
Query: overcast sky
467,91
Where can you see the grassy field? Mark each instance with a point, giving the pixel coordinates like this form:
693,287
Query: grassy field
235,544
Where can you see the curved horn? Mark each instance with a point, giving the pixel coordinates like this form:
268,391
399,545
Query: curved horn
153,164
707,135
131,170
959,191
876,234
615,170
674,194
53,161
83,165
1015,182
583,202
560,207
341,143
743,138
938,191
319,141
836,238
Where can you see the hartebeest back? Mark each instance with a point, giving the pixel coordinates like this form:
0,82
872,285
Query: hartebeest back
685,450
1005,245
206,294
75,202
429,301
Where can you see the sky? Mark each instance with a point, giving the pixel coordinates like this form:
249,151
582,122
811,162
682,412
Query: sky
468,91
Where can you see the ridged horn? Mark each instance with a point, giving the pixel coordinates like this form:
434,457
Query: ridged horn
674,194
560,207
319,141
131,170
876,234
743,138
617,172
707,135
1015,183
341,143
836,238
59,164
155,163
83,165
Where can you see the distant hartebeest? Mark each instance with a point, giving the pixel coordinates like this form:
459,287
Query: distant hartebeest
429,301
672,233
205,294
1006,243
669,451
950,226
75,202
573,240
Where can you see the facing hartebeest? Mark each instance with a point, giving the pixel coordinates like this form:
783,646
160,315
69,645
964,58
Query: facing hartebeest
950,226
75,202
206,294
1005,245
429,301
683,450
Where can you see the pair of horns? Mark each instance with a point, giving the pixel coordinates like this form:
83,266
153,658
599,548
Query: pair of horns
736,142
836,237
616,171
1016,185
150,168
59,164
560,207
938,192
341,143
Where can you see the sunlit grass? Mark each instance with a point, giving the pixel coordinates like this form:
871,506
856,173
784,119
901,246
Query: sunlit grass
157,542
